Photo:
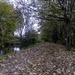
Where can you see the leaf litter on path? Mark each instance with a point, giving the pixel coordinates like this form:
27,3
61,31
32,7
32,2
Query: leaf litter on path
47,59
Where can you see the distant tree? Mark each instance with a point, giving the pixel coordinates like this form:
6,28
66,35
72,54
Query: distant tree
29,11
20,21
31,36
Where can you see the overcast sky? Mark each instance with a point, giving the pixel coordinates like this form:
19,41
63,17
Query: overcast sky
35,24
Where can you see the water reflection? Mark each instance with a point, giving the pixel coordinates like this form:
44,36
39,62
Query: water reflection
1,52
15,49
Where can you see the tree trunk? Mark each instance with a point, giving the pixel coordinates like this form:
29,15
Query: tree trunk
21,39
68,35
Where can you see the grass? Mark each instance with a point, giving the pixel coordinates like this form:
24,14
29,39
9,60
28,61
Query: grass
2,56
36,45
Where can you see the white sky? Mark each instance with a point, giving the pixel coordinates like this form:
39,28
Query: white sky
35,25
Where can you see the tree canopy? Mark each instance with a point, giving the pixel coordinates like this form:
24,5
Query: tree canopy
7,18
8,23
61,11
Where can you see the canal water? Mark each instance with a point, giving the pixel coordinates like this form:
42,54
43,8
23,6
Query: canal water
5,51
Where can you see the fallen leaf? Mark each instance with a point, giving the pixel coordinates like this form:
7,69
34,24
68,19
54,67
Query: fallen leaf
34,67
73,52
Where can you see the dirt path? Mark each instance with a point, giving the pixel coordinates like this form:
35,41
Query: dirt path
48,59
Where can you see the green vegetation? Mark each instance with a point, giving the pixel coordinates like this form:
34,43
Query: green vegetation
31,46
58,21
36,45
2,56
31,38
8,24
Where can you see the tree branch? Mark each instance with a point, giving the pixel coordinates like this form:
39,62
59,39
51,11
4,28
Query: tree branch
55,16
